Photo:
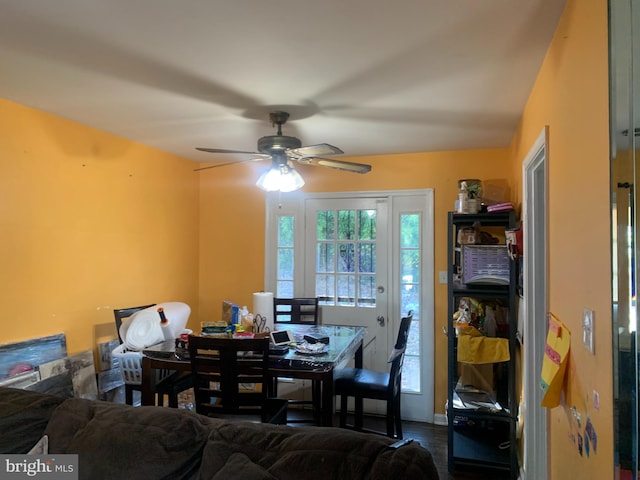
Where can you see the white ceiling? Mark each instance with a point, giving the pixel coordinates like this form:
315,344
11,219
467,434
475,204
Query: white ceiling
369,76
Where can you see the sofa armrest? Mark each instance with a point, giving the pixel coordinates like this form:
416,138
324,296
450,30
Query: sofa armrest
24,416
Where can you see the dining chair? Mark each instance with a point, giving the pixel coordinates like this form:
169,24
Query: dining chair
298,311
301,310
171,383
362,383
230,378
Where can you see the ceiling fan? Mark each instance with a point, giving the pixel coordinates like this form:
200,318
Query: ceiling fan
284,150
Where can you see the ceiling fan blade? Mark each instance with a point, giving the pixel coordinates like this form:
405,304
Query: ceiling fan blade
228,163
315,150
224,150
337,164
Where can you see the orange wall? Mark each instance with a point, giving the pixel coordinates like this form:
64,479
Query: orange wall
571,96
233,216
90,222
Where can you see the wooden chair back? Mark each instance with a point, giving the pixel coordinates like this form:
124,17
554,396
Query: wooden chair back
395,373
230,377
295,310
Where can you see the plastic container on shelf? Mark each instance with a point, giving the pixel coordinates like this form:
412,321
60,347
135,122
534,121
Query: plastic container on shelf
485,264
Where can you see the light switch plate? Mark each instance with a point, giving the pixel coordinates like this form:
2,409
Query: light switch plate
588,318
443,277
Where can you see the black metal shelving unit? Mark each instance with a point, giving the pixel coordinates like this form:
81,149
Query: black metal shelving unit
482,437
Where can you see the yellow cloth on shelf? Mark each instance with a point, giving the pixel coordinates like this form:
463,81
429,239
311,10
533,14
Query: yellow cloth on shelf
473,347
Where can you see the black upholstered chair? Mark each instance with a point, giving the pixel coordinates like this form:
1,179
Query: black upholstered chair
230,378
298,311
361,383
171,384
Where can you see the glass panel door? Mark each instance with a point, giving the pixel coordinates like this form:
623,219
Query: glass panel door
369,259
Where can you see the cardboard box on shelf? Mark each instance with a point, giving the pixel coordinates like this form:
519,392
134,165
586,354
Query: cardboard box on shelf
478,377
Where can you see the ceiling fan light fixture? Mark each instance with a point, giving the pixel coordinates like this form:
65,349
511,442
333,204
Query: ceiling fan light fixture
281,178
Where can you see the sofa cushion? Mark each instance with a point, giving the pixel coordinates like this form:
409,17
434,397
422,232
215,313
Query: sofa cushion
118,441
23,418
239,466
321,453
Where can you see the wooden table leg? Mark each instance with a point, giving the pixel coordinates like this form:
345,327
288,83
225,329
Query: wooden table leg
147,387
326,410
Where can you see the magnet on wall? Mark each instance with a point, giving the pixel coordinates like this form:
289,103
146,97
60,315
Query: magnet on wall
586,445
590,433
576,415
580,444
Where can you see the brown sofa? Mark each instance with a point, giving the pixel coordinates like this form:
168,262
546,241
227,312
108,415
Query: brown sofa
115,441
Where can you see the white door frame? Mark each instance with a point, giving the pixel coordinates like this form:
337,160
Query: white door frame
294,206
535,182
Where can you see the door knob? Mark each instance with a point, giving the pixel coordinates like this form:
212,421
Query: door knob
380,320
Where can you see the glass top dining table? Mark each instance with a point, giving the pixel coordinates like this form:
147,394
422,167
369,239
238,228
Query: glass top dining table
345,343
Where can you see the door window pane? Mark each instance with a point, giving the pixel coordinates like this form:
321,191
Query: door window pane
285,231
325,262
410,231
410,288
285,289
410,265
325,225
410,299
346,258
346,248
325,289
367,224
346,224
285,256
367,291
411,374
367,257
413,343
285,263
346,290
